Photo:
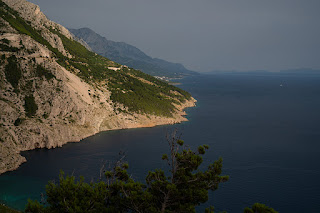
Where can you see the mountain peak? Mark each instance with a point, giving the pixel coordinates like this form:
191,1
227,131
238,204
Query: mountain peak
124,53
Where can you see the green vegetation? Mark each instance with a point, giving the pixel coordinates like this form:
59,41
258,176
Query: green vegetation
155,97
18,121
163,84
4,46
8,48
30,106
5,41
1,25
2,59
45,115
259,208
146,96
41,71
5,209
140,97
182,190
13,72
91,65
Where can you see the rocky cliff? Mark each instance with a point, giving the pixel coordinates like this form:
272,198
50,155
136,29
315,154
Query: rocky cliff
53,90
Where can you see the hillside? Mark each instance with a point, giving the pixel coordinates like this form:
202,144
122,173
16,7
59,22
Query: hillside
129,55
53,90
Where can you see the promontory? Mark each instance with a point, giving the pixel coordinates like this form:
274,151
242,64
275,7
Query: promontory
54,90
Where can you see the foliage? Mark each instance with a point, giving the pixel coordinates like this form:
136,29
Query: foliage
5,41
137,91
2,59
140,97
259,208
185,188
41,71
30,106
162,84
12,71
155,97
6,209
8,48
90,64
4,46
18,121
45,115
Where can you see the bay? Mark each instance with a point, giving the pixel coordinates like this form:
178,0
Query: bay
265,127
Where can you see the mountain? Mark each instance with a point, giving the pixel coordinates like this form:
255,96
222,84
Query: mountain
304,71
129,55
298,71
54,90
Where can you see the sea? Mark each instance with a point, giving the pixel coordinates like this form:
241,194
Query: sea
265,126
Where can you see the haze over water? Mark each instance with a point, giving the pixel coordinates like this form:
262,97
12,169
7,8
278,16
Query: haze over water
265,126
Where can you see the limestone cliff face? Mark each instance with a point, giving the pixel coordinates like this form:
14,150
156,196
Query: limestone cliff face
44,105
31,13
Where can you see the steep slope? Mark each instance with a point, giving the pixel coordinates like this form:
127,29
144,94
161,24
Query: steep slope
127,54
53,90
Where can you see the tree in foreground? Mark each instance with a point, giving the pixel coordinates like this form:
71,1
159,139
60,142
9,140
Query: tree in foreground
184,188
259,208
181,191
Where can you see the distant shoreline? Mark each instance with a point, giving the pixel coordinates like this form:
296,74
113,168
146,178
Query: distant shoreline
174,83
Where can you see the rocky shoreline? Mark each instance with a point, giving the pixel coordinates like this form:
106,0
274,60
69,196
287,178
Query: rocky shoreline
45,104
14,160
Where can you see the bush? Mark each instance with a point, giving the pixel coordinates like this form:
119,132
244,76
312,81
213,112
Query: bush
6,209
181,191
5,41
12,71
41,71
259,208
18,121
30,106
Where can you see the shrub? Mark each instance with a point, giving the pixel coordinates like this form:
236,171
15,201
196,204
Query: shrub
12,71
30,106
5,41
185,187
41,71
18,122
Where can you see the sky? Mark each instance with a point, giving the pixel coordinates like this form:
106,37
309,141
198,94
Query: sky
204,35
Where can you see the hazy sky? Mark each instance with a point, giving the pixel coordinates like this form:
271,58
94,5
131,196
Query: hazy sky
204,34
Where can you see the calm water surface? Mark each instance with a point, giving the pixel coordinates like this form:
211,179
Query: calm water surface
267,134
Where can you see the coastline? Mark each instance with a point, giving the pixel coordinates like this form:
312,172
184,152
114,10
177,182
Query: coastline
55,104
67,133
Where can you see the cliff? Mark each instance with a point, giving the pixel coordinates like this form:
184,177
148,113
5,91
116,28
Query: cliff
53,90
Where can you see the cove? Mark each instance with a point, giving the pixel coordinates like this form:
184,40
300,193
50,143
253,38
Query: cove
267,134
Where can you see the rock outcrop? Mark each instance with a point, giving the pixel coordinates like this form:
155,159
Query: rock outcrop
44,105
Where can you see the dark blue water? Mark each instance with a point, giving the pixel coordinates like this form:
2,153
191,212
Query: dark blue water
267,134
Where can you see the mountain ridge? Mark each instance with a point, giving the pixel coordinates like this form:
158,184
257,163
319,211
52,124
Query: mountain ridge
130,55
53,90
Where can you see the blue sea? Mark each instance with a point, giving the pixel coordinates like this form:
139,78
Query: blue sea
265,126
